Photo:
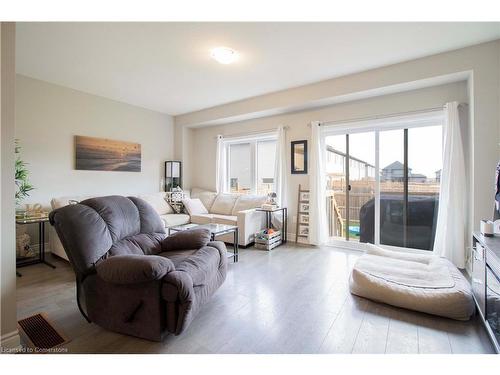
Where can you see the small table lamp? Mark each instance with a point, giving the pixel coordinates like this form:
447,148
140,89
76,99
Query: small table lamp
271,198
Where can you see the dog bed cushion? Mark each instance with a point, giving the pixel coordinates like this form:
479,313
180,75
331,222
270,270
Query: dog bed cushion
418,282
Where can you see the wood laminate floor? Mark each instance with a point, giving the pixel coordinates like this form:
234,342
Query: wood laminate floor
291,300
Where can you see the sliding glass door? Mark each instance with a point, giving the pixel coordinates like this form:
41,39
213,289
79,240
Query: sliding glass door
350,167
424,155
392,187
336,177
383,185
361,183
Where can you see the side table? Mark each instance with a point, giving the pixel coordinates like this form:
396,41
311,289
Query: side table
20,262
284,223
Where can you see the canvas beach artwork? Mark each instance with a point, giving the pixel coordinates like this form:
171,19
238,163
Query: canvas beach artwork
100,154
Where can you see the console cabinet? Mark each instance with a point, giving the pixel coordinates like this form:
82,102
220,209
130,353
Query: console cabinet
486,283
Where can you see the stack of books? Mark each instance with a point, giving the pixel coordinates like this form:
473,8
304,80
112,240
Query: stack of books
269,206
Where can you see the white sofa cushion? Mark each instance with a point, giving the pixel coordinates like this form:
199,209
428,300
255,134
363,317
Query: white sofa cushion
214,218
224,219
206,197
195,192
171,220
194,206
158,202
64,201
246,202
201,218
223,204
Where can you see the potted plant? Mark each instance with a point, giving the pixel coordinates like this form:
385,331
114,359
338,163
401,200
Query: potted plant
23,186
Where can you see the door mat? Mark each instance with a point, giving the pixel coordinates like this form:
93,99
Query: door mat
38,332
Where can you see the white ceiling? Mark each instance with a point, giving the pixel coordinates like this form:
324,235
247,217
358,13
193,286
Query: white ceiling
167,66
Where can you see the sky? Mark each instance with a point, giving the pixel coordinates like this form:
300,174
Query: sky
424,148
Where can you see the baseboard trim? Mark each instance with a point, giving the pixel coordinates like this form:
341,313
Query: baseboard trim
10,341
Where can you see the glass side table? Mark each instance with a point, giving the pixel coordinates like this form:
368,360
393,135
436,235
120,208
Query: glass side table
23,262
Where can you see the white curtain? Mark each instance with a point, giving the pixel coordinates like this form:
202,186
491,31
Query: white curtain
220,165
281,167
450,237
318,228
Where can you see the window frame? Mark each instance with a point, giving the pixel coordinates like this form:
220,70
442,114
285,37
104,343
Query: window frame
252,141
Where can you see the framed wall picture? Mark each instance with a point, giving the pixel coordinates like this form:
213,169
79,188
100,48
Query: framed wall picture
101,154
303,230
304,219
304,197
299,157
304,207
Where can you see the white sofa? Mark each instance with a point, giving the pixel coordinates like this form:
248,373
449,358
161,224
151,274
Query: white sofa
157,200
232,209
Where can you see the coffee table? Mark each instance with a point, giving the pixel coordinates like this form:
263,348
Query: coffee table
215,231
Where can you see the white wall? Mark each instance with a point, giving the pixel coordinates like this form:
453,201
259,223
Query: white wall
204,139
182,151
49,116
9,337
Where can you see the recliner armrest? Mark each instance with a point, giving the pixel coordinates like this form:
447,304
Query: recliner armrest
189,239
133,269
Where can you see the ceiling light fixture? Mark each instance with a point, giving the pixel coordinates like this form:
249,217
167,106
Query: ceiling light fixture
224,55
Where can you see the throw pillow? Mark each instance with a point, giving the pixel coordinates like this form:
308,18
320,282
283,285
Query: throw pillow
206,197
224,204
157,200
194,206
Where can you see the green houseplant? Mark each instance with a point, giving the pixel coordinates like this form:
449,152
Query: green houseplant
23,186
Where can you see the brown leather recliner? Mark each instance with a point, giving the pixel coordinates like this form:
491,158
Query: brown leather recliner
131,278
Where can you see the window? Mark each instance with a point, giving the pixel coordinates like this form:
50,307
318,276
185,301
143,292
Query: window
266,156
383,181
250,165
240,167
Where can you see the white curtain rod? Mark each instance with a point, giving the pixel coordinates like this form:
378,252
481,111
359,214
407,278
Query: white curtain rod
377,117
245,134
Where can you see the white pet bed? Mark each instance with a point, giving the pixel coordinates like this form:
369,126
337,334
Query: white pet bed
418,282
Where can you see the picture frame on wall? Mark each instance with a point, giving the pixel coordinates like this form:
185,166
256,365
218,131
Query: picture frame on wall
299,157
304,196
303,230
304,207
103,154
304,219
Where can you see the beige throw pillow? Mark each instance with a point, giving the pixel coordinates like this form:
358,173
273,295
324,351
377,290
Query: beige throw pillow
223,204
207,197
194,206
247,202
157,200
